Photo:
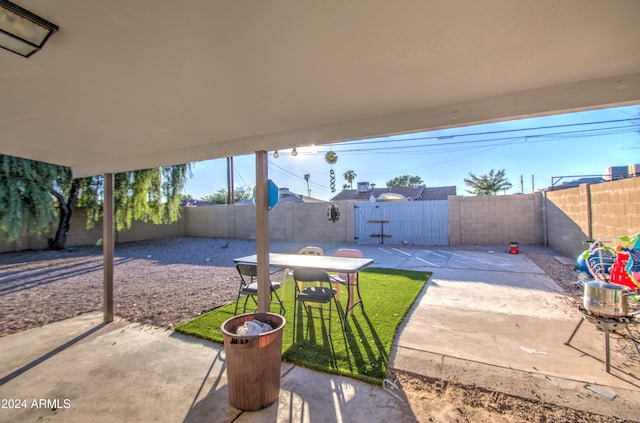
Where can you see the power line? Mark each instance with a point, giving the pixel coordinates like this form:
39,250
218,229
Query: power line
393,138
495,143
237,173
479,150
285,171
440,144
523,138
451,146
481,146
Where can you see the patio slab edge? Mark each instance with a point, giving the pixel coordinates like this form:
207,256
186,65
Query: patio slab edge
554,390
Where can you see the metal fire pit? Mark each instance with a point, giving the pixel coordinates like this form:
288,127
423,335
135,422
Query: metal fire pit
608,324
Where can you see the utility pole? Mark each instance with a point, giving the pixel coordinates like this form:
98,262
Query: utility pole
306,177
533,187
521,185
230,193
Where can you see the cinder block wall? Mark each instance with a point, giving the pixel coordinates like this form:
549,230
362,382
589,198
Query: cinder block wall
210,222
567,215
142,231
496,219
310,222
607,210
287,222
615,210
79,234
26,242
563,219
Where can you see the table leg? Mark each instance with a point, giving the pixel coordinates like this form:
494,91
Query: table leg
352,302
351,306
358,291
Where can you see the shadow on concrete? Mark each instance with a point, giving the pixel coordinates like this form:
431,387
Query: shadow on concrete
214,406
615,371
47,356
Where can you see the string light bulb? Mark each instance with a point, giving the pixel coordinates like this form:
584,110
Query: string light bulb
275,154
294,152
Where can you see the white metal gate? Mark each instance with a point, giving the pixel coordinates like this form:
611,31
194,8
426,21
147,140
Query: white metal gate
412,222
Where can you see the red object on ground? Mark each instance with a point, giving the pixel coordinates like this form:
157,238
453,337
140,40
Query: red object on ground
513,249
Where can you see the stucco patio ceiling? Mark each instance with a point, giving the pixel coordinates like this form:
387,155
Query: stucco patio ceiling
134,84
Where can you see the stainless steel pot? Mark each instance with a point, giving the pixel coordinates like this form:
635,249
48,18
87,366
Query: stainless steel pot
606,299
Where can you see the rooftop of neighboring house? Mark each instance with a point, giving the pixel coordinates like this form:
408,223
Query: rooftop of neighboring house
610,174
195,203
417,193
286,196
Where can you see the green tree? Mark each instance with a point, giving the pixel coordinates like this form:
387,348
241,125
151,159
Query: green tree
405,181
25,195
220,197
33,193
350,176
488,184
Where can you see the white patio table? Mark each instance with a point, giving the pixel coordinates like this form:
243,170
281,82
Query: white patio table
346,265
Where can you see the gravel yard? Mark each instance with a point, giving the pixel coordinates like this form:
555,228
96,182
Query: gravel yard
161,282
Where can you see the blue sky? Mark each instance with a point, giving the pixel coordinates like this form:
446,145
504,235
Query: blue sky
535,149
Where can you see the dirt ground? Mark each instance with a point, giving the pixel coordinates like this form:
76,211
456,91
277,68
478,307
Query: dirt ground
39,287
435,400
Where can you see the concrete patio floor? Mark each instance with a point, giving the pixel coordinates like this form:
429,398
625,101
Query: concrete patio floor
492,320
127,372
496,321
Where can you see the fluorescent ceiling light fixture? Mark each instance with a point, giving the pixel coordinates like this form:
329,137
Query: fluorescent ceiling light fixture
21,31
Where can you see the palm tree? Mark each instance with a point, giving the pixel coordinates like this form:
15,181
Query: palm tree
350,175
488,184
306,177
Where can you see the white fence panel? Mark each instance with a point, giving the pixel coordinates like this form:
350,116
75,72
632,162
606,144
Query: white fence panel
413,222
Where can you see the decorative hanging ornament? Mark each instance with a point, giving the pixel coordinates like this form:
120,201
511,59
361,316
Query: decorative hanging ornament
332,180
333,214
331,157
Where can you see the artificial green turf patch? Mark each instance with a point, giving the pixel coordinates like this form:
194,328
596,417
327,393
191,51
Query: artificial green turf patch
362,351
